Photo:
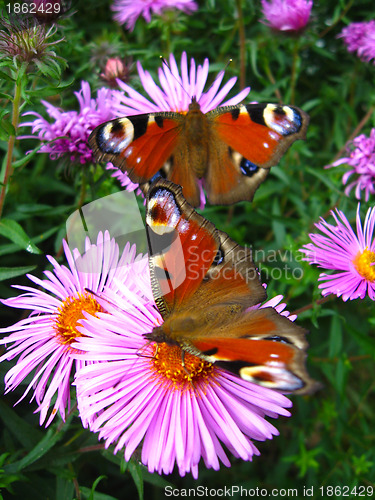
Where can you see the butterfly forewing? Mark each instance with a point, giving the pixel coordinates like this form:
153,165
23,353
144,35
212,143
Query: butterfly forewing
139,144
260,132
177,268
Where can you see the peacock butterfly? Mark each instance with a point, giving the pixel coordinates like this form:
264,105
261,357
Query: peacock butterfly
230,148
205,287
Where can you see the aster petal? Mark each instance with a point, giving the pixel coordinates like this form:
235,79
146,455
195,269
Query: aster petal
43,353
340,250
127,402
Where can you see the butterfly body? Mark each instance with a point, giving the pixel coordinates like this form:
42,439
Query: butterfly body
208,292
229,149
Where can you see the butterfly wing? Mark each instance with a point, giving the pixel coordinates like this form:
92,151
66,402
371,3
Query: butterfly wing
260,346
190,260
148,144
139,144
246,141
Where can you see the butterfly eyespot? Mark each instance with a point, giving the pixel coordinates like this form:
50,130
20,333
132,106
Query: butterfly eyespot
276,338
248,168
118,126
219,257
279,110
284,120
159,175
115,136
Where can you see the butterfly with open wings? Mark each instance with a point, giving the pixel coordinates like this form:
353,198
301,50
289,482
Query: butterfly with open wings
205,287
229,150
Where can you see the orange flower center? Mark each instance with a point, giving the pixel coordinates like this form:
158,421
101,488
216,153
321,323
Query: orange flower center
71,312
364,262
181,368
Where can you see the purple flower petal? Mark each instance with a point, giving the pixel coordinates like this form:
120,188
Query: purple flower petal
350,255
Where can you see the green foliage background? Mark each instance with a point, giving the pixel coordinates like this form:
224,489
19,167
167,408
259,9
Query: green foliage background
330,439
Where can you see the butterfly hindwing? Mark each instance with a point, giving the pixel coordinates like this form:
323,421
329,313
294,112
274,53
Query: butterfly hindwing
260,346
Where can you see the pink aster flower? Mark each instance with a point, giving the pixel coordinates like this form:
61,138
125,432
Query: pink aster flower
178,417
360,38
128,11
178,87
43,341
350,255
286,15
361,158
70,129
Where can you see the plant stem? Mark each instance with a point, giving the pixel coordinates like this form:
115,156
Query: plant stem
11,142
310,306
343,14
356,131
293,79
241,31
273,81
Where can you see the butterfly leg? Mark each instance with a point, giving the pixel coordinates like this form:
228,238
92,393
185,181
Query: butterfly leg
139,352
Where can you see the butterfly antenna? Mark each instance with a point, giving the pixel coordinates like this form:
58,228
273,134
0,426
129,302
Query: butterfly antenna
165,62
217,76
98,296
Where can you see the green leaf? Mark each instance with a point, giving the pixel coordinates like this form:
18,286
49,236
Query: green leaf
97,496
6,96
64,489
335,341
49,70
44,445
26,434
7,273
5,76
136,472
25,160
49,90
13,231
7,127
96,482
361,465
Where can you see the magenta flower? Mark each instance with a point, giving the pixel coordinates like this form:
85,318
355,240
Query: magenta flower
134,398
286,15
175,94
43,340
71,129
360,38
351,255
128,11
361,158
